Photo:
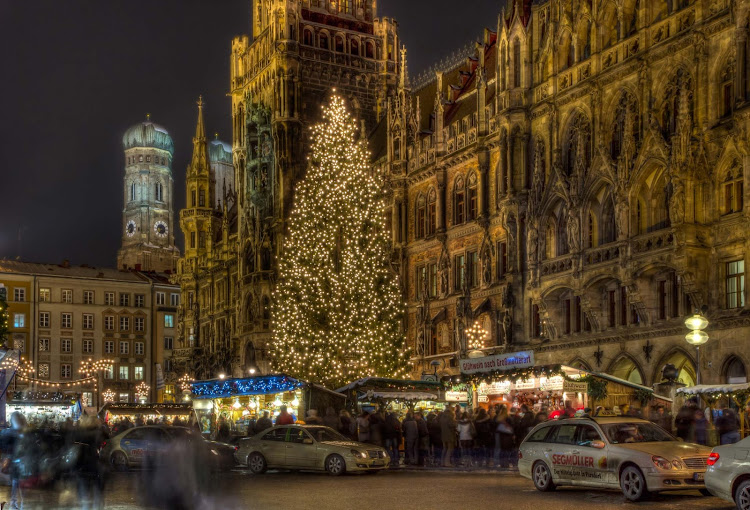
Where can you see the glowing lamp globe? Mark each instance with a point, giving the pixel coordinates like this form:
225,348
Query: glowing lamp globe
697,337
696,322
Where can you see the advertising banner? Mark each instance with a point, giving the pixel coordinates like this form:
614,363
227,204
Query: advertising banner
508,361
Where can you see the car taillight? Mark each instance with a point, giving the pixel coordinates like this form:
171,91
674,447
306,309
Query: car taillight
520,455
104,443
236,447
712,458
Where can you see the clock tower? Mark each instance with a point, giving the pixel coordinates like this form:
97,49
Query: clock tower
148,216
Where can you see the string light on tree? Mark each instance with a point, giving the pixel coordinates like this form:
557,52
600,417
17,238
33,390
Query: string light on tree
337,307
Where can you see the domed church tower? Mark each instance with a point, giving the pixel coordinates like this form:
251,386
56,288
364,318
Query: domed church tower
148,216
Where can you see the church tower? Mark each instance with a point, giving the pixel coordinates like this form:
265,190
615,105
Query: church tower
148,242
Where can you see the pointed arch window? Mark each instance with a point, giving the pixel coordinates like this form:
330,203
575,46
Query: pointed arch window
201,197
421,217
503,68
472,198
549,241
516,63
459,201
626,126
727,89
577,143
608,227
192,198
431,212
592,238
679,87
159,192
732,187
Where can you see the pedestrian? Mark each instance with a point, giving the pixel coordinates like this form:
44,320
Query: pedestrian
503,439
11,441
448,435
411,439
424,438
222,433
313,418
701,427
728,427
331,419
347,427
392,437
485,437
466,433
684,421
89,469
524,425
377,421
263,423
436,438
363,427
284,418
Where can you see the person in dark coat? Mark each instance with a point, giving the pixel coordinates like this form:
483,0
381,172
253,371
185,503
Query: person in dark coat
436,441
263,423
331,419
684,422
448,426
424,438
377,421
485,436
411,439
392,437
89,470
524,425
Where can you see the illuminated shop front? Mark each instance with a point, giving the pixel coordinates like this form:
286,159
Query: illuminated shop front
241,402
393,394
164,413
45,407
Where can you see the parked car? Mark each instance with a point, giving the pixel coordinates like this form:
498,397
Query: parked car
634,455
149,445
309,447
728,473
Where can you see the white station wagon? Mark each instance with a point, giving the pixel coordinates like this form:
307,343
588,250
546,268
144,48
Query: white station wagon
633,455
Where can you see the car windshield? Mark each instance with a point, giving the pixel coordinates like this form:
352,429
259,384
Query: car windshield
325,434
618,433
179,433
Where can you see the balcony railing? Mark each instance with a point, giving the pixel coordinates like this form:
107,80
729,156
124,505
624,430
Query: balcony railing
602,254
557,265
653,241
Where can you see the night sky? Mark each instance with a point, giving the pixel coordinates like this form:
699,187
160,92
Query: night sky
76,74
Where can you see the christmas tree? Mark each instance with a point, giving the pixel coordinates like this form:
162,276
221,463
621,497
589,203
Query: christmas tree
337,306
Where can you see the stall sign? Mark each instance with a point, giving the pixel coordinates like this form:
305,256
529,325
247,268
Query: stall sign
495,388
508,361
483,398
528,384
575,387
456,396
551,383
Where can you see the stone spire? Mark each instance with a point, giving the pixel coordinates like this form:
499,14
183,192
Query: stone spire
199,163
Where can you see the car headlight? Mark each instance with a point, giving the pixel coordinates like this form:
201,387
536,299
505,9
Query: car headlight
677,464
661,462
358,454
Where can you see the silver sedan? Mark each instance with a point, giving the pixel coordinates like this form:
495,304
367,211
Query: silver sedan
728,473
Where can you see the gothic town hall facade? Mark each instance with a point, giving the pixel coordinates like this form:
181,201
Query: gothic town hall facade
574,182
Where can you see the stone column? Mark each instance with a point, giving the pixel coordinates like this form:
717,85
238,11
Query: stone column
740,81
440,205
502,177
483,158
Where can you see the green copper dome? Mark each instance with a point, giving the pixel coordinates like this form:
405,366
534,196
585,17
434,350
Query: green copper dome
219,151
148,134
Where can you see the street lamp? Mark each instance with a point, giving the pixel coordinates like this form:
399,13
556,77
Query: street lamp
696,323
476,336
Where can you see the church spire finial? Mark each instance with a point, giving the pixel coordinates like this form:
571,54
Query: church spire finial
148,117
404,71
200,130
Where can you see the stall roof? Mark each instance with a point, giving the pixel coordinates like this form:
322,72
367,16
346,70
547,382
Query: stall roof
713,388
386,384
617,380
259,385
402,395
132,409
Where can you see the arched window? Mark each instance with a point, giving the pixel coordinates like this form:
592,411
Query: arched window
431,212
339,44
420,217
354,47
159,192
396,149
503,67
735,371
679,86
658,206
201,197
517,63
626,369
608,227
459,201
369,50
626,126
577,149
592,237
132,192
732,190
323,41
192,198
473,197
307,37
727,89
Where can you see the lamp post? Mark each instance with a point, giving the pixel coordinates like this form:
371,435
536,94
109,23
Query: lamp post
696,323
476,336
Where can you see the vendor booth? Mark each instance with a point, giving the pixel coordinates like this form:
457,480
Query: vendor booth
240,402
162,413
398,395
712,394
52,408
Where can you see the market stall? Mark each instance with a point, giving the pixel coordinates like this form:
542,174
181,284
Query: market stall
737,394
38,408
161,413
241,402
369,393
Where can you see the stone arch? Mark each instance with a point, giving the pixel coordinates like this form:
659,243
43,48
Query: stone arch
651,211
734,370
682,360
249,358
626,367
565,50
308,36
580,364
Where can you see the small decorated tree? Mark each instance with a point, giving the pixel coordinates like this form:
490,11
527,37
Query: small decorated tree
337,306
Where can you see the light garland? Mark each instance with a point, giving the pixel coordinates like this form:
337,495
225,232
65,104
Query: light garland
261,385
476,336
57,384
337,306
142,390
108,396
185,382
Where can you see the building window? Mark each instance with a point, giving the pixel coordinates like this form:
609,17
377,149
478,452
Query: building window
65,371
167,365
109,347
139,350
19,320
44,370
168,343
612,308
124,347
88,321
191,299
67,296
124,373
132,192
140,300
201,239
473,199
138,373
421,280
502,259
174,299
140,324
473,269
66,320
124,397
201,198
124,323
733,191
44,295
516,63
160,298
624,306
566,315
459,202
20,343
421,217
87,346
140,159
109,298
44,345
168,320
109,322
433,276
19,295
159,192
88,297
536,322
431,212
735,284
66,345
87,399
109,372
459,273
124,299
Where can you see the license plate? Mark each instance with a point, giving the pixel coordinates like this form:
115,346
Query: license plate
698,477
377,463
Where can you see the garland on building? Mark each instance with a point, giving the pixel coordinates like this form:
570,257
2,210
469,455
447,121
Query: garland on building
4,319
337,307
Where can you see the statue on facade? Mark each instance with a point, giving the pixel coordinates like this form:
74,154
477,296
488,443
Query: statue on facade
677,202
507,328
532,243
621,216
420,342
486,267
574,231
